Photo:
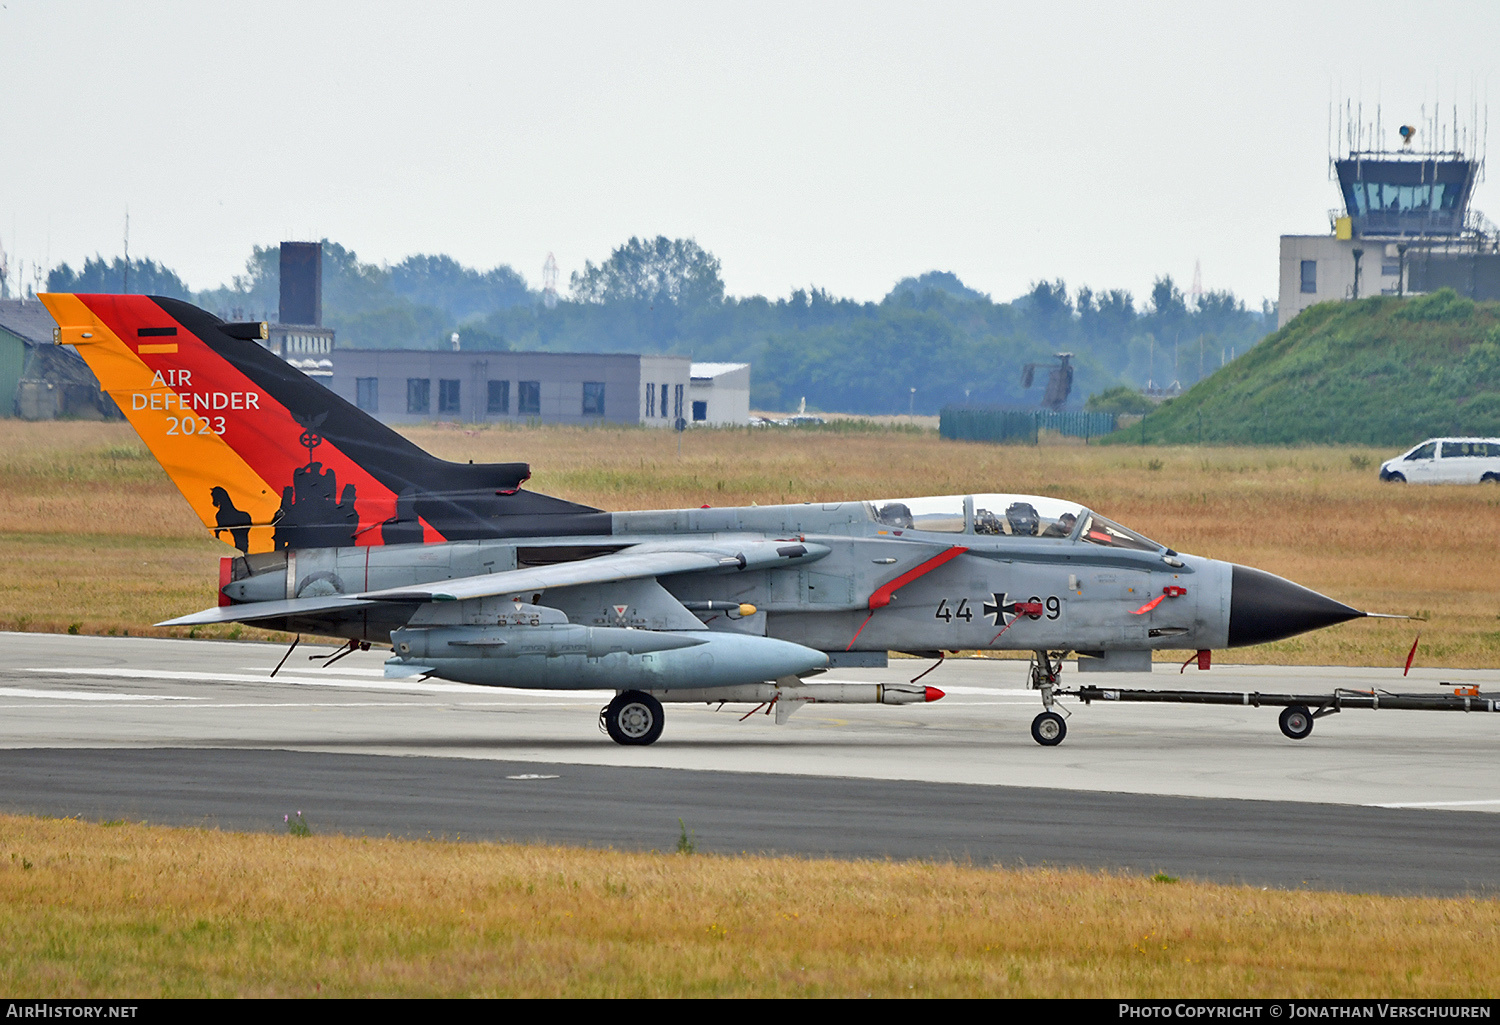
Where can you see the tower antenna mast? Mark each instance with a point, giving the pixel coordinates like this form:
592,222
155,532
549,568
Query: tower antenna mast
549,282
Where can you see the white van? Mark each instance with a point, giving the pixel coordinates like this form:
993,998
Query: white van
1446,461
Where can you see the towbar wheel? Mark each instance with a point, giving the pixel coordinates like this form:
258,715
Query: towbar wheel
633,718
1296,721
1048,729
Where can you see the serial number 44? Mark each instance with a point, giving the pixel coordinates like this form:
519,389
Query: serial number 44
948,615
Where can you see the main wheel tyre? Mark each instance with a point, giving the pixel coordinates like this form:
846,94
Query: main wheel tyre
1490,478
633,718
1396,478
1296,721
1048,729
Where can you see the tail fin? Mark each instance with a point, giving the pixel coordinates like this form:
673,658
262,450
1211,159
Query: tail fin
269,458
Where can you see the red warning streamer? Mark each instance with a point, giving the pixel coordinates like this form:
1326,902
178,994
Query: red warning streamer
1170,591
882,596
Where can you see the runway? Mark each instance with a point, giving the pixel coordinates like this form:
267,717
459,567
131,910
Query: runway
195,733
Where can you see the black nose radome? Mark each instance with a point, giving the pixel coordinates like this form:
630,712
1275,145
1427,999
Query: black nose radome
1264,607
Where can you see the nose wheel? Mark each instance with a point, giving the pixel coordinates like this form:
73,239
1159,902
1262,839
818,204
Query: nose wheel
1048,729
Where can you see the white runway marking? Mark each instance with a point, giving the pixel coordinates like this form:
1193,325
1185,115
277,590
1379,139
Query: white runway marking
373,680
1435,804
372,674
374,683
87,695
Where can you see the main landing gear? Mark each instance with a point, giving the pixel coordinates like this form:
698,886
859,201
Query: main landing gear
633,717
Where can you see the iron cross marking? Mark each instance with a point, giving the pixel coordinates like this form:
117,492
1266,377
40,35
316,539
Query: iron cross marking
1000,611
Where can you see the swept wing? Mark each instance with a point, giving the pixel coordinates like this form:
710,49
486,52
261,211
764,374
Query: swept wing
634,563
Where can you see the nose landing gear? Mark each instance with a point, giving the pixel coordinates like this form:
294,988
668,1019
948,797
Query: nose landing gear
1048,728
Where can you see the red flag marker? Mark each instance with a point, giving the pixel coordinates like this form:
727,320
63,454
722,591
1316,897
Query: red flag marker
1411,655
1153,603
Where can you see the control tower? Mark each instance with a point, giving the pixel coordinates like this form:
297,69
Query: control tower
1404,224
1400,196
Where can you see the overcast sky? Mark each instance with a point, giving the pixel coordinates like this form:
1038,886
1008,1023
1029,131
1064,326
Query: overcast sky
844,145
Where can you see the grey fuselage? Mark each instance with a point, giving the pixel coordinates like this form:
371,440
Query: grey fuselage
1089,596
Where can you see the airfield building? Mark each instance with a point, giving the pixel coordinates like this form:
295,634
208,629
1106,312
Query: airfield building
298,333
401,386
1404,225
720,393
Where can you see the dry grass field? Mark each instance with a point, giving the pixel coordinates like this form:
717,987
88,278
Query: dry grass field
128,910
96,538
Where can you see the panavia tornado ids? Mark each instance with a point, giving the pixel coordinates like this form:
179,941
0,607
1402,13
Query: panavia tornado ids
345,529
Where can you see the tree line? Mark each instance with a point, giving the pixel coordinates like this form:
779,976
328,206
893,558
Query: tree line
930,342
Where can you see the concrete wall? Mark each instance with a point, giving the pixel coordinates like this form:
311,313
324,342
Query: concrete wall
727,396
1335,271
671,372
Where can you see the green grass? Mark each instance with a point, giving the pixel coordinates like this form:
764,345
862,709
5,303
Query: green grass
1382,370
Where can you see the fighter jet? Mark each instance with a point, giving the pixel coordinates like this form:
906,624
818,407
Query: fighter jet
345,529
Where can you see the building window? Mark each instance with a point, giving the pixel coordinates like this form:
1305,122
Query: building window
499,397
664,402
700,411
367,393
529,397
677,401
1390,270
593,398
1309,275
650,400
448,396
418,394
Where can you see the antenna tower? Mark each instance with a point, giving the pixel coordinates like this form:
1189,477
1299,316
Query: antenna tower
1196,292
4,274
549,282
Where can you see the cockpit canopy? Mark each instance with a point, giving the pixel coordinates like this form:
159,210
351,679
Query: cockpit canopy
1018,516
